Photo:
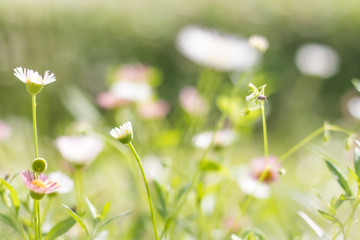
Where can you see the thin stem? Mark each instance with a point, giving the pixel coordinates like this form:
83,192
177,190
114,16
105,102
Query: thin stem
35,125
79,193
37,224
266,145
302,143
39,220
146,186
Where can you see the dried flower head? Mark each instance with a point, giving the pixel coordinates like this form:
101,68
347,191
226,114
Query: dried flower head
123,133
38,186
33,80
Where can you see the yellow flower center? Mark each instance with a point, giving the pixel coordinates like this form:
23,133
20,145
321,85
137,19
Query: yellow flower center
38,183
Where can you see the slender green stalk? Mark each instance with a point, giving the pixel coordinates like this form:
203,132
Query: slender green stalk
302,143
36,214
146,186
38,220
79,193
35,125
266,145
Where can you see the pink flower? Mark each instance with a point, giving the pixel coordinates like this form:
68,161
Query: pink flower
5,131
41,185
191,101
137,73
154,110
272,167
109,100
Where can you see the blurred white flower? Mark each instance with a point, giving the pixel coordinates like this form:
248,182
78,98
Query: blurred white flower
317,60
132,91
103,235
259,42
353,107
208,204
234,237
222,138
154,110
5,131
212,49
155,168
249,185
191,101
79,149
67,184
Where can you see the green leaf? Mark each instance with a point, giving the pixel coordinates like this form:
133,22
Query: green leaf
11,222
92,209
78,219
184,189
339,178
60,228
209,166
357,161
328,216
13,194
107,221
105,210
162,199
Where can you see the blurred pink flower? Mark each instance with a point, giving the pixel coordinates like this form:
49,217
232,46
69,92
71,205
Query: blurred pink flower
137,73
41,185
191,101
154,110
5,131
259,165
108,100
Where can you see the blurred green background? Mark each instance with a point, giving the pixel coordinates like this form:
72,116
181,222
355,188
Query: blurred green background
82,41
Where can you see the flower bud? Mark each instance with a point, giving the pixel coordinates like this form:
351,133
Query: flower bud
123,133
39,165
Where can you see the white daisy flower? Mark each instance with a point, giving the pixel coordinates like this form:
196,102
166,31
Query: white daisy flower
67,184
123,133
79,149
30,76
33,80
216,50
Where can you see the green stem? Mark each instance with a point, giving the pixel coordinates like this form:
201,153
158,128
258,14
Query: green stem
35,125
39,219
302,143
146,186
79,193
37,224
266,145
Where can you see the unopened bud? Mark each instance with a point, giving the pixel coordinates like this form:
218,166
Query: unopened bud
39,165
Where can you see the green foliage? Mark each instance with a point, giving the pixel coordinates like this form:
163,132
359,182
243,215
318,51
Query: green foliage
339,178
60,228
